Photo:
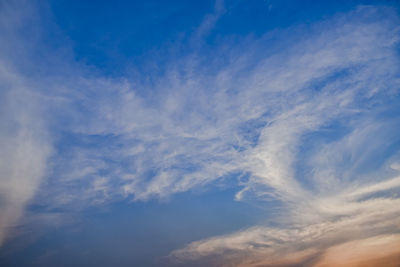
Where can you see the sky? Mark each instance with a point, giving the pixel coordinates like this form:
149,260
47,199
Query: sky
200,133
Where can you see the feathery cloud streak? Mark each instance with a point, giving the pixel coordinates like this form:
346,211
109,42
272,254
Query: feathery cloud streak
298,111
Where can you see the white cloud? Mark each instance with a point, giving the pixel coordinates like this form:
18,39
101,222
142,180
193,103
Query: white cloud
252,110
201,127
342,195
302,242
25,143
25,148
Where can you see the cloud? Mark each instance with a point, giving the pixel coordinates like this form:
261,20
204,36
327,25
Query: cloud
25,148
249,115
207,24
309,245
24,139
333,188
300,111
375,251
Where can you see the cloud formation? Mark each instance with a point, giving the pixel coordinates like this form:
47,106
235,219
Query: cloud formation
249,112
364,225
332,188
24,139
296,116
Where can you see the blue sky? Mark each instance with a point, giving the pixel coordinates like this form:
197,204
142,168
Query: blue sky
199,133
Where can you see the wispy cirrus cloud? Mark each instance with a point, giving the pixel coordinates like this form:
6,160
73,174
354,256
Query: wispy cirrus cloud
25,141
25,150
309,242
248,115
299,111
334,190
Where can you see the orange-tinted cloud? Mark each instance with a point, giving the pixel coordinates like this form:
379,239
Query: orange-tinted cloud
371,252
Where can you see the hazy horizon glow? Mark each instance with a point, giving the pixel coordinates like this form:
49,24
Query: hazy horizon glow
236,133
